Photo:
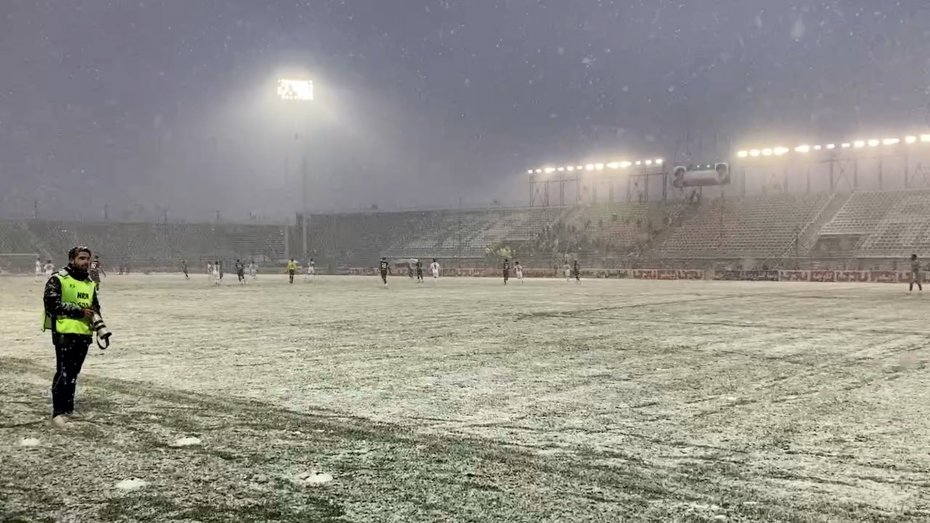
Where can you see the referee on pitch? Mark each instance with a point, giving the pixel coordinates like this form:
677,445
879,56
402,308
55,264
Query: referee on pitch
70,302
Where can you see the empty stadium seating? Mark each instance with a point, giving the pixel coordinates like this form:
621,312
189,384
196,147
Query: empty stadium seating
747,227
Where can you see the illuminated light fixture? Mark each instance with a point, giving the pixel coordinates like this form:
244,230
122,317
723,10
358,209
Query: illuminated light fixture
639,162
624,164
589,167
297,90
560,169
766,152
910,139
579,168
845,145
550,170
570,168
780,151
742,154
802,149
659,161
538,171
530,171
891,141
831,146
925,138
874,143
599,166
817,147
754,152
613,165
648,162
858,144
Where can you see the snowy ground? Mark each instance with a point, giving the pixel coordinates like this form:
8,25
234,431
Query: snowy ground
471,401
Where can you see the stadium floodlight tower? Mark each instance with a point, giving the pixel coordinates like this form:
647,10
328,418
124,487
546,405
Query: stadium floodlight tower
299,91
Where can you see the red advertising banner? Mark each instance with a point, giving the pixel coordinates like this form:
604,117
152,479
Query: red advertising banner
794,275
852,276
883,276
690,274
666,274
823,276
644,274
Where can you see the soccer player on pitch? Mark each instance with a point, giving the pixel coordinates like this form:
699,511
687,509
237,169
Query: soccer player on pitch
311,270
434,268
518,269
576,271
253,269
38,269
49,268
915,274
184,268
383,267
291,269
419,271
240,271
506,269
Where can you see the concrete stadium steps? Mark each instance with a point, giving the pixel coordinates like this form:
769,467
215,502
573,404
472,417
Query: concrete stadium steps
756,227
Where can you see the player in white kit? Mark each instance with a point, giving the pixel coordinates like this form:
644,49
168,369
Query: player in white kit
253,270
434,269
217,280
38,269
568,272
49,268
311,269
209,269
518,269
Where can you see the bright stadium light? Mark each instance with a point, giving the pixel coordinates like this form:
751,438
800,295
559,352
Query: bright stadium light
802,149
925,138
613,165
742,154
599,166
639,162
754,153
561,169
891,141
859,144
874,142
624,164
589,167
780,151
831,146
648,162
659,161
530,171
766,152
297,90
910,139
579,168
538,171
845,145
570,168
550,170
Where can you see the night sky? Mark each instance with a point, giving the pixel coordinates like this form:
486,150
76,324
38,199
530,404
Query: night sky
153,105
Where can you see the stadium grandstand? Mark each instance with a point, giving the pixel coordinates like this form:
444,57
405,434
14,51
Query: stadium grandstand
863,204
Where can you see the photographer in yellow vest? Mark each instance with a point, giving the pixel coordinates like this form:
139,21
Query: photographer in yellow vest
70,303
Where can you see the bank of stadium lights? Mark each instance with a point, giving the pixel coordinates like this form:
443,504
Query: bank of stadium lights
855,144
599,166
296,90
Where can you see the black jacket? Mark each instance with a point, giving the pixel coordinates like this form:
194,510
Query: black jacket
52,298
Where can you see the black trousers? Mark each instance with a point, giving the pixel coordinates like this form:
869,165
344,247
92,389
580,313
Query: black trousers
70,351
384,277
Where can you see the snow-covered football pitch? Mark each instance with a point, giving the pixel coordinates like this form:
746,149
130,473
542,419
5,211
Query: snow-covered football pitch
341,400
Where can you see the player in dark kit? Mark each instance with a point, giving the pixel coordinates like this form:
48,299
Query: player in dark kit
419,271
240,271
184,268
383,269
95,270
915,274
576,271
506,268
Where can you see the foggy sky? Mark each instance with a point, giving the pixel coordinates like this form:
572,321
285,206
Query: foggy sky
148,105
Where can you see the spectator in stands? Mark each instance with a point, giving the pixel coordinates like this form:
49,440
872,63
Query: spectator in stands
70,302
